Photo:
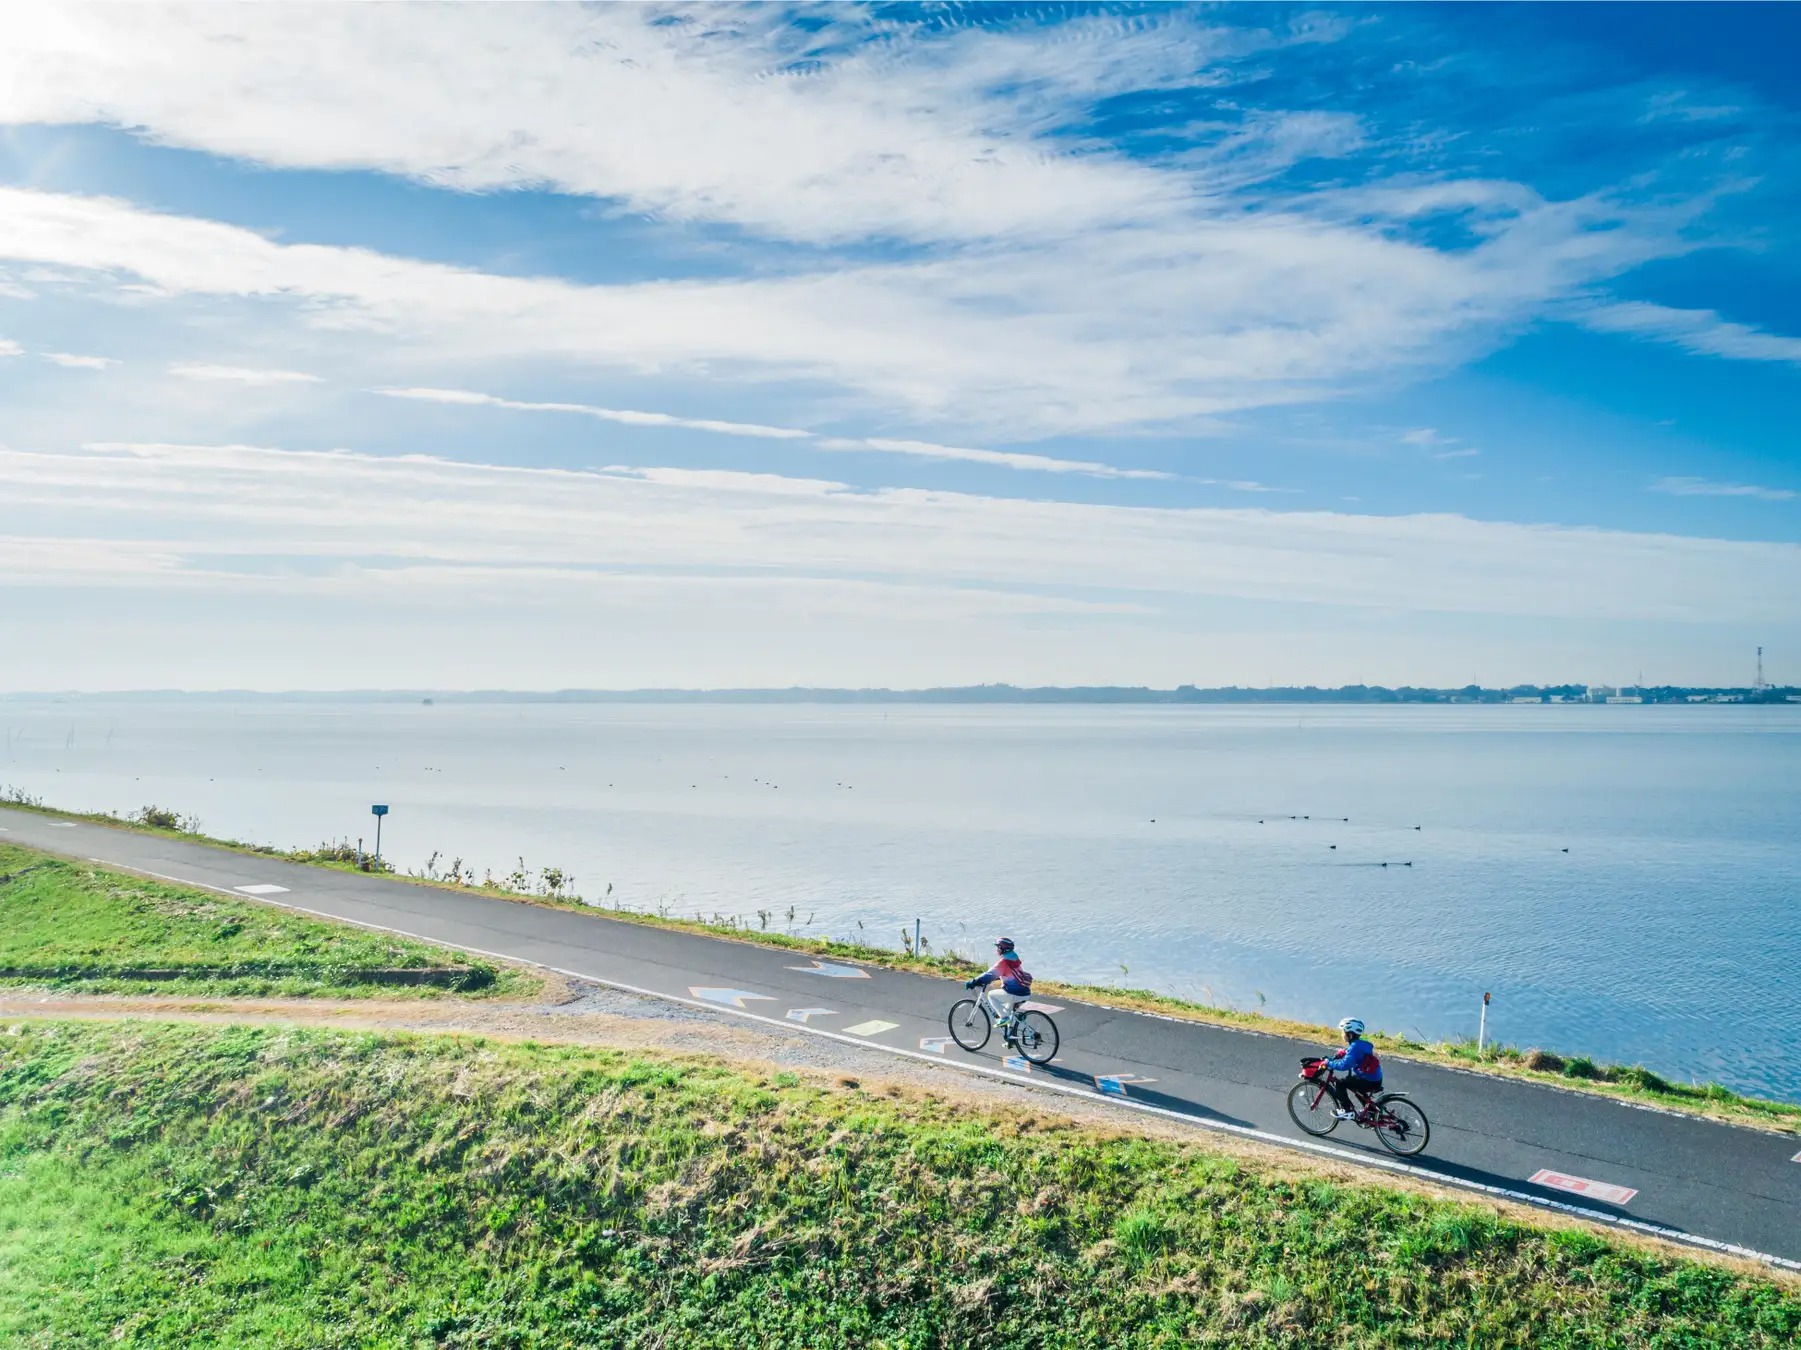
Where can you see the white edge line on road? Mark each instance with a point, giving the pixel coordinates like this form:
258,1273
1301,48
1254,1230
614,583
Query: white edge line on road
1675,1235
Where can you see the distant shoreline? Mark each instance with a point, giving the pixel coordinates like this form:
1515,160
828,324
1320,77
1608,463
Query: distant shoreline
1344,695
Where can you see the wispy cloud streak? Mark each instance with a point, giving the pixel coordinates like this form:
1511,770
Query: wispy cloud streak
1701,487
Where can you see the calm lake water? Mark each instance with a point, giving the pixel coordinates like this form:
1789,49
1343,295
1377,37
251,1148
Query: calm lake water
1622,878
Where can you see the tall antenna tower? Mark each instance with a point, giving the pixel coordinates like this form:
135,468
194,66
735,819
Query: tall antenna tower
1760,686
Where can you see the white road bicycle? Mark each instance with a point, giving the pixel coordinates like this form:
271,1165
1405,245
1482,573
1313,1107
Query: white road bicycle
1031,1032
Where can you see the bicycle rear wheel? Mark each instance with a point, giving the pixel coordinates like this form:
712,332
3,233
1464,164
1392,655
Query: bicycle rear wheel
970,1024
1037,1036
1401,1126
1312,1108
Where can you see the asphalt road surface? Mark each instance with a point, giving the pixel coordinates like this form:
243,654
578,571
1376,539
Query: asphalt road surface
1694,1180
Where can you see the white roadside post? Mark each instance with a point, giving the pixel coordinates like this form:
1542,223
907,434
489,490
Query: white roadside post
1482,1026
378,812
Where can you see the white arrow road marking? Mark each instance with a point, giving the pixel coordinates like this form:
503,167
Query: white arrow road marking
832,971
732,998
802,1014
1604,1191
62,824
1114,1084
1017,1063
262,889
1036,1006
934,1044
871,1028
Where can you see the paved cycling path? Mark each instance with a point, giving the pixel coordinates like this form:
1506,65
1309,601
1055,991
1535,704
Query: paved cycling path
1703,1181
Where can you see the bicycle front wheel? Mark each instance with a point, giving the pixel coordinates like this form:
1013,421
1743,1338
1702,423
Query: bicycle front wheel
1038,1038
970,1025
1401,1126
1312,1108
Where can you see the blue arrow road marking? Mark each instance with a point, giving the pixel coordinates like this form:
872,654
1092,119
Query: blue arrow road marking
802,1014
732,998
934,1044
1114,1084
1016,1062
832,971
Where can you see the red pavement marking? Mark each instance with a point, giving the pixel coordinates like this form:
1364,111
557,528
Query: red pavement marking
1604,1191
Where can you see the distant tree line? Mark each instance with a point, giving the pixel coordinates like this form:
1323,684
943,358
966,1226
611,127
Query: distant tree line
1008,693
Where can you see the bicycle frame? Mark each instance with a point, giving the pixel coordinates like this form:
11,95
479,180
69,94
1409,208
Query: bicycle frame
1325,1079
1002,1013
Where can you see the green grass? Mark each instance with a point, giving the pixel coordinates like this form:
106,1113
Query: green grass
1626,1082
76,926
196,1186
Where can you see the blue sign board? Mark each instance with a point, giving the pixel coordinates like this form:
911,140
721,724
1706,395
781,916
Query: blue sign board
378,810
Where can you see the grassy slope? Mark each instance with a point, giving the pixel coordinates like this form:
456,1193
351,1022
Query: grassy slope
1628,1082
165,1186
74,922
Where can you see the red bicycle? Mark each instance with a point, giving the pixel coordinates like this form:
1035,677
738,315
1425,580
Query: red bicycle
1398,1123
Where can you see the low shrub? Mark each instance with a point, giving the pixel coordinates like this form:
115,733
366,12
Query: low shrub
165,818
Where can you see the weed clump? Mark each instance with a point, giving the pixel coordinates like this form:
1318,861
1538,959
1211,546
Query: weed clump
165,818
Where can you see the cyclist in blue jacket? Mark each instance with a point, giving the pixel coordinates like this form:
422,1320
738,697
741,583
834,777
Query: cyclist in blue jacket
1016,983
1358,1066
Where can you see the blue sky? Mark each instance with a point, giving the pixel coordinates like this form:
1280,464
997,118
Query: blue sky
363,346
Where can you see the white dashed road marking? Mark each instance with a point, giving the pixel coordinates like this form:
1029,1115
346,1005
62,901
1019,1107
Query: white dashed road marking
1036,1006
62,824
832,971
1604,1191
871,1028
262,888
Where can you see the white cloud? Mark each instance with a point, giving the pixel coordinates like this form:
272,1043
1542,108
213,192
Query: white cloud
10,348
183,514
758,431
1137,328
1701,487
1468,452
1000,458
1051,284
240,374
622,416
865,127
1697,330
71,361
1426,436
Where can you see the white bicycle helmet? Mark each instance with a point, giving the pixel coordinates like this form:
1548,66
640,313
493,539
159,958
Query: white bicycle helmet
1354,1025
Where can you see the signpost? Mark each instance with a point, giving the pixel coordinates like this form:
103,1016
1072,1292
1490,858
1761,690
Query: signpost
378,812
1482,1026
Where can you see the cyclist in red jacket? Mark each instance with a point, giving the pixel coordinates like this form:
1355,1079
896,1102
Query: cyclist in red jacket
1016,983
